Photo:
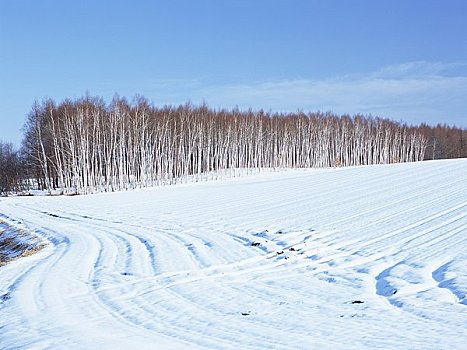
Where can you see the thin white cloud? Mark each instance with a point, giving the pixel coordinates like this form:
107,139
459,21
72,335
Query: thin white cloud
422,69
414,92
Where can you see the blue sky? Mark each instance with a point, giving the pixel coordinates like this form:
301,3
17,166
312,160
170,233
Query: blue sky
400,59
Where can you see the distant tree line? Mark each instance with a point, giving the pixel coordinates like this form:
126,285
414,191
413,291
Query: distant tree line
86,145
12,169
444,141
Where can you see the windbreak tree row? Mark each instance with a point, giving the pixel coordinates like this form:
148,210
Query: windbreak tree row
84,146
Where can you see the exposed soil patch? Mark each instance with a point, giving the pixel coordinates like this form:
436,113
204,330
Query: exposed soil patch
16,243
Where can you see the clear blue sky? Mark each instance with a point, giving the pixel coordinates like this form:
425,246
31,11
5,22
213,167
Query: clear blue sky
401,59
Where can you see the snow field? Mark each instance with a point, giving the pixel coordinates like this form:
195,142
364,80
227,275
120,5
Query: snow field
360,257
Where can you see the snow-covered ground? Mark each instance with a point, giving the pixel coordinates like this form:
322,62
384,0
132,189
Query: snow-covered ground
362,257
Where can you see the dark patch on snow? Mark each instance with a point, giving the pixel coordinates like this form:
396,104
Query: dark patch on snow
249,243
191,248
5,297
357,302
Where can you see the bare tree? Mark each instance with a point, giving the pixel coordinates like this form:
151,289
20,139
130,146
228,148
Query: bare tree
84,146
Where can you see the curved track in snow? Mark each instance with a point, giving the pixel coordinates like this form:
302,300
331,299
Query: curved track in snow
355,257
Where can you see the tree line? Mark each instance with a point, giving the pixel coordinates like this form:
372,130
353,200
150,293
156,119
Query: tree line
11,169
85,145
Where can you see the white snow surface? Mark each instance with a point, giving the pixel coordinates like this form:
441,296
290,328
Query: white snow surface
351,258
